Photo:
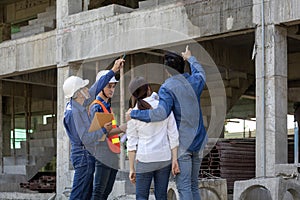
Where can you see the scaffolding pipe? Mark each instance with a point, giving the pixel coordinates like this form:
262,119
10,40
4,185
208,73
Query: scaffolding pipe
263,150
26,120
1,126
13,121
296,143
122,107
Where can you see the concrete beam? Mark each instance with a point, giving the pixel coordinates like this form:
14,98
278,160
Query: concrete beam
230,57
17,90
62,11
286,11
156,27
27,54
277,11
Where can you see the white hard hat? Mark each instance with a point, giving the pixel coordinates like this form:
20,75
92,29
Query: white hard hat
104,72
72,84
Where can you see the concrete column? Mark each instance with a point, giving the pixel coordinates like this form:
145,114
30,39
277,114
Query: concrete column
64,8
64,174
62,12
271,108
86,4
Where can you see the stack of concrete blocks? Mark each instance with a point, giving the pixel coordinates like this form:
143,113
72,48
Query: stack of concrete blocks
42,146
22,167
45,21
153,3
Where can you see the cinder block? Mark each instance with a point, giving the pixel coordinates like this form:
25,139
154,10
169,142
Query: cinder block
38,151
153,3
49,142
15,169
44,134
49,24
10,188
147,4
47,14
17,35
51,9
42,21
18,160
12,178
45,127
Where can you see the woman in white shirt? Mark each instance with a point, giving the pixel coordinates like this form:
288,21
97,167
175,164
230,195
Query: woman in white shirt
153,145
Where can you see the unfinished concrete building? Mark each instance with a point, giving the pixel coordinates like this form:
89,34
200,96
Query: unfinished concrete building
252,71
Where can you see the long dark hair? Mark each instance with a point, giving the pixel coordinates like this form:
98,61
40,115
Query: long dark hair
138,87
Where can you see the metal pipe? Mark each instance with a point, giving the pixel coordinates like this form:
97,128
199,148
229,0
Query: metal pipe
1,126
296,143
263,150
122,115
13,122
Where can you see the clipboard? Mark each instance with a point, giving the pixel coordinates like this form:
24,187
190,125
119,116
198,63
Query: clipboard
98,122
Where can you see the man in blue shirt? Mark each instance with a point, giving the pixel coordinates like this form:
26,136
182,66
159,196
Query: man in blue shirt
77,122
181,94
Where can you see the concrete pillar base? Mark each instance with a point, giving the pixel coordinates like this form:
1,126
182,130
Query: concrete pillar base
267,188
210,189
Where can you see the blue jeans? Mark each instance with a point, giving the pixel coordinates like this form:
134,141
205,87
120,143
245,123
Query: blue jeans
187,180
84,166
103,181
161,180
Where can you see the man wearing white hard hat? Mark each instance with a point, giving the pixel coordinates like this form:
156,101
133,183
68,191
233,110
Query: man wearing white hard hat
107,156
77,122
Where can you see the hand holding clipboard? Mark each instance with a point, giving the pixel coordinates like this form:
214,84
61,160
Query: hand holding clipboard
98,122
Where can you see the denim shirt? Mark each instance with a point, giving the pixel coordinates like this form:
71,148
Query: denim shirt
77,121
181,94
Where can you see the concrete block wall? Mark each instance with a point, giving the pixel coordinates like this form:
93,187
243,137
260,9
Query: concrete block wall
45,21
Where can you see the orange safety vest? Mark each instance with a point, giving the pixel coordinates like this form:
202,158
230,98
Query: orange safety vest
113,142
